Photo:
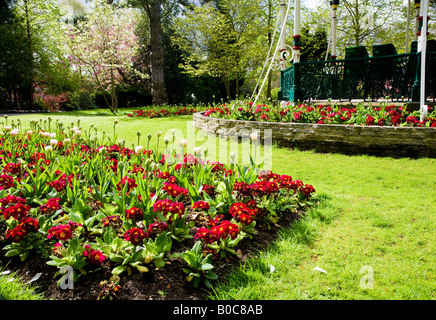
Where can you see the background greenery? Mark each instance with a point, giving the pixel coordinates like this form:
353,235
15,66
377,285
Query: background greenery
211,50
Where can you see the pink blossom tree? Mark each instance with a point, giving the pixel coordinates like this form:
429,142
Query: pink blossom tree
103,48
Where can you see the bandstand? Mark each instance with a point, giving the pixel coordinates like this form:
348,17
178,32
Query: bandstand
363,75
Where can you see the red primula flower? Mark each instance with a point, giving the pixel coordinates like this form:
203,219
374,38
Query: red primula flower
93,256
381,121
59,185
17,234
242,213
114,221
264,187
12,168
61,232
168,206
218,167
174,190
157,228
164,175
252,204
18,211
225,229
29,224
369,120
307,190
208,189
242,188
51,206
216,220
135,235
130,182
206,235
411,120
296,184
11,199
201,205
6,182
135,214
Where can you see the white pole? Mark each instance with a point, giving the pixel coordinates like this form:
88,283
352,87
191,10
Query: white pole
297,35
407,26
283,35
417,11
423,108
335,5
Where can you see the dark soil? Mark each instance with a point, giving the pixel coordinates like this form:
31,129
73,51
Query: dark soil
167,283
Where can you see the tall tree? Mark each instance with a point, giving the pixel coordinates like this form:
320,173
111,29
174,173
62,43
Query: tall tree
13,59
153,9
362,20
104,46
217,39
40,21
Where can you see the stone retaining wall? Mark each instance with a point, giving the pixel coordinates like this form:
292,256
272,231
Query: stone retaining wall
347,139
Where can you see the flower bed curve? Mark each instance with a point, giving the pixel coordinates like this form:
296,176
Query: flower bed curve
163,112
383,115
391,130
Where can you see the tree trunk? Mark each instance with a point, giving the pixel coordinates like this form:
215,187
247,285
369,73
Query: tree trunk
30,55
227,86
158,89
114,94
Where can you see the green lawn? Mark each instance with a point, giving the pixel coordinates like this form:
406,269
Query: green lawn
373,231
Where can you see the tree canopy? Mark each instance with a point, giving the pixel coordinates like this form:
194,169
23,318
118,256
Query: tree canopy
167,51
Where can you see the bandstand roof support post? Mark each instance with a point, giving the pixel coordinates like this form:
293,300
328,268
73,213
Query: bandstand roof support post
297,36
295,91
422,46
417,11
334,4
283,37
407,26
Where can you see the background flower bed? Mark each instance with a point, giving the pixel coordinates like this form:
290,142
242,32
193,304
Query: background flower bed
384,115
72,198
164,111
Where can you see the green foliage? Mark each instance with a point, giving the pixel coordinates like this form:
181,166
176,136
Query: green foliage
215,40
159,248
198,267
122,252
71,256
80,100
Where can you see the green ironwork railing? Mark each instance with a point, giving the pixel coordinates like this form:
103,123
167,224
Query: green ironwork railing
368,78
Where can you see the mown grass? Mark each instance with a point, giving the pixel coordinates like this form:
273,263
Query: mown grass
11,288
377,216
376,220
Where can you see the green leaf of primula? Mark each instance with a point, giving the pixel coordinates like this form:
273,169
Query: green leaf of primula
118,270
13,252
159,263
206,266
211,276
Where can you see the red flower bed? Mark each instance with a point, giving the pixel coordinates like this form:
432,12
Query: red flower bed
88,207
163,112
389,115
